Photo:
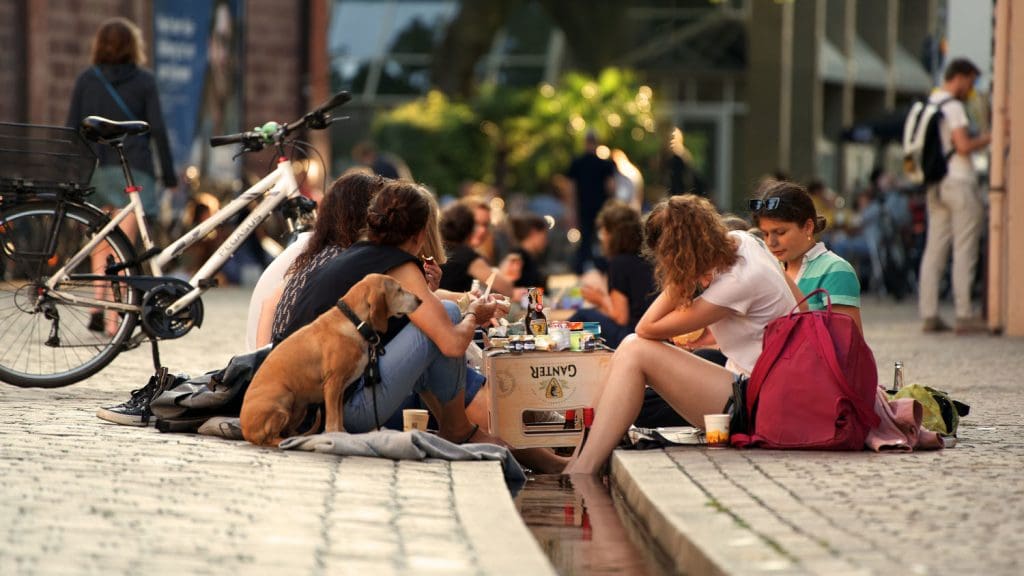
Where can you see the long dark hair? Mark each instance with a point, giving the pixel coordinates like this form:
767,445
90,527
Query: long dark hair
794,204
341,217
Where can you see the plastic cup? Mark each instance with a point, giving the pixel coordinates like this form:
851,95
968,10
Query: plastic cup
716,430
415,419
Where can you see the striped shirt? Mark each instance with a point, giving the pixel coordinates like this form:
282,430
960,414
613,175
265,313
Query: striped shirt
823,268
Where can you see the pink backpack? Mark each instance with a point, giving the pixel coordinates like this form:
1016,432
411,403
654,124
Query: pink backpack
813,386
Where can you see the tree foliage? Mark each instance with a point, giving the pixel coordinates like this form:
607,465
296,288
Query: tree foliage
517,139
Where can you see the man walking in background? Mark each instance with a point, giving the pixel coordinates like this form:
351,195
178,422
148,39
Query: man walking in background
593,181
955,210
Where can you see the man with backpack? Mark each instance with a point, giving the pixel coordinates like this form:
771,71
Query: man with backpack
955,209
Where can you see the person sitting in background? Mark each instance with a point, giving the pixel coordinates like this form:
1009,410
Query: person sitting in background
710,277
464,263
785,214
629,290
531,235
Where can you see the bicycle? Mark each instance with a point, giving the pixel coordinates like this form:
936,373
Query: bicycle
50,236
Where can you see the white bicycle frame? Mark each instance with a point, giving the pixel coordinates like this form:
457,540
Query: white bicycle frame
277,186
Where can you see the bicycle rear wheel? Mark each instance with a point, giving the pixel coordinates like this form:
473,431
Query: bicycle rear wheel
47,340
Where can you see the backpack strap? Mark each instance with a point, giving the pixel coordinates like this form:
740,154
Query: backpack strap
828,352
113,93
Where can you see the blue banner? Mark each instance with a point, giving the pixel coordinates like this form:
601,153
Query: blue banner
197,62
180,32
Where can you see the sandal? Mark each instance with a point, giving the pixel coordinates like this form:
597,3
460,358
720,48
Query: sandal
469,436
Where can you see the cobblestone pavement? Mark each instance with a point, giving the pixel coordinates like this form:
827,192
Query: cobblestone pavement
82,496
958,511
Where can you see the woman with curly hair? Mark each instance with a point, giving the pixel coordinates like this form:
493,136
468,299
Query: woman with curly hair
710,278
424,352
629,290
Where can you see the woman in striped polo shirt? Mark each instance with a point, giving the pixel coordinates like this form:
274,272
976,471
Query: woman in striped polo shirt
785,214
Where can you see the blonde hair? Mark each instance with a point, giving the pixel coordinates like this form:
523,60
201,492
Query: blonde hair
118,41
433,245
686,239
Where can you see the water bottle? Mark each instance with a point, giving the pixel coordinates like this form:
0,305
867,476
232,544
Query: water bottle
897,379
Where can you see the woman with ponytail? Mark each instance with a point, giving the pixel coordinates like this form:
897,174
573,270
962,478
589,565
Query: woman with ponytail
785,214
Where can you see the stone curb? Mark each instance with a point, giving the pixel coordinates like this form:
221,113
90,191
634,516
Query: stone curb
501,541
693,529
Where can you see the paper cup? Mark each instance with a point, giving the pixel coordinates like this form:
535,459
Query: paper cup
415,419
716,430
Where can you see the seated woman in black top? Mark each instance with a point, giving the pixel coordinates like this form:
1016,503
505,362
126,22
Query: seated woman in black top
425,355
630,290
464,263
522,266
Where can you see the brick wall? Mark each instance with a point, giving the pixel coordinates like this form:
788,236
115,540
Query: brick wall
274,48
57,49
12,58
56,36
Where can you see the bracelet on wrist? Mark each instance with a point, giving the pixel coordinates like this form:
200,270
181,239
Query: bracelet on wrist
468,314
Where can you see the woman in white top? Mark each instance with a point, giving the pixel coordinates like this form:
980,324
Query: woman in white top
711,278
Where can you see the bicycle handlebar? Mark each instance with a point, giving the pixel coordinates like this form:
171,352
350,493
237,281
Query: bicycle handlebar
318,119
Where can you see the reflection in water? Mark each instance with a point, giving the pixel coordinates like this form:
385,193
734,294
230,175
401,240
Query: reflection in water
578,525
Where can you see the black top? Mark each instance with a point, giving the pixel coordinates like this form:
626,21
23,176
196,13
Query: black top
590,174
455,272
531,276
137,89
634,277
333,280
684,179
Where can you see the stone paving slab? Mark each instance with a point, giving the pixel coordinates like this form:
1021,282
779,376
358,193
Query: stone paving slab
80,496
958,511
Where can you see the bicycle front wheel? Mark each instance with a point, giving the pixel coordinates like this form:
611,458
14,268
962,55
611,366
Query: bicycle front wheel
50,339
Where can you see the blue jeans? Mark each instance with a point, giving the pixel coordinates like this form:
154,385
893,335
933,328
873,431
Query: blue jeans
411,363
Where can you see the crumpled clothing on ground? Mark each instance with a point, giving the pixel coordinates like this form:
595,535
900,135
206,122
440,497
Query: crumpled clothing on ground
414,445
900,427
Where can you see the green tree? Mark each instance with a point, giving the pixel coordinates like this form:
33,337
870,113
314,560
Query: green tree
440,140
518,139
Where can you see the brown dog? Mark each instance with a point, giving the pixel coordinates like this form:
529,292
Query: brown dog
317,363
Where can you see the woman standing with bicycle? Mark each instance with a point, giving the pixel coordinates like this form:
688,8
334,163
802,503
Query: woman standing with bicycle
117,88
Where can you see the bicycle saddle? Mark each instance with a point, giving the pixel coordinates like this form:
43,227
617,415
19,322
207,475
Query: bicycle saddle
99,129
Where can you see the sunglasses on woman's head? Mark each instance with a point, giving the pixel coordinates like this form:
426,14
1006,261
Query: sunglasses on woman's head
766,205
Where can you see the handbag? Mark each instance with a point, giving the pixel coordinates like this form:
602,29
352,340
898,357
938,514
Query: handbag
813,386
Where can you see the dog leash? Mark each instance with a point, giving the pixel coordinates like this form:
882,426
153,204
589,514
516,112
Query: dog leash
371,375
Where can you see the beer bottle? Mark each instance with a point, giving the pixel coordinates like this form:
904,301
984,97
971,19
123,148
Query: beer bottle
536,321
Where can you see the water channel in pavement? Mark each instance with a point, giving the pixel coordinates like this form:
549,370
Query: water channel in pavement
585,528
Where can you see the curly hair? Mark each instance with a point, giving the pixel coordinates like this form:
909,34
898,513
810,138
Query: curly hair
341,218
118,41
794,205
398,212
685,238
622,224
457,223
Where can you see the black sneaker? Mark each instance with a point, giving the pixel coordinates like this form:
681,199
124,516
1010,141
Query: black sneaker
96,322
134,412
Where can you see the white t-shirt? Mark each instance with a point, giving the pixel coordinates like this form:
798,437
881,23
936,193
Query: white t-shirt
954,116
755,289
268,283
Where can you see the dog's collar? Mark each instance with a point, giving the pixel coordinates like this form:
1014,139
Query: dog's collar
362,326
